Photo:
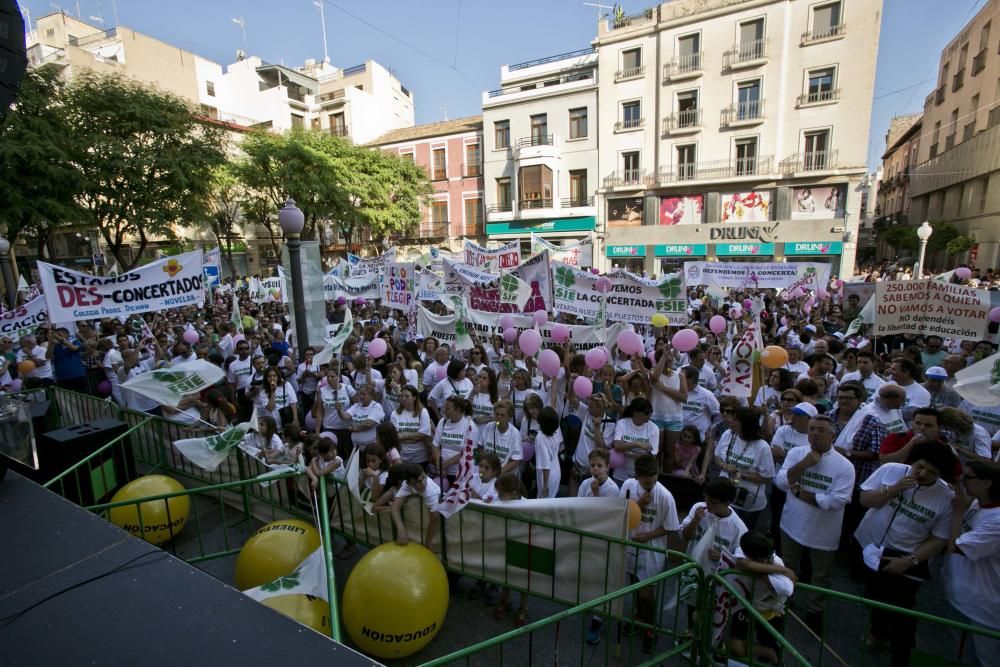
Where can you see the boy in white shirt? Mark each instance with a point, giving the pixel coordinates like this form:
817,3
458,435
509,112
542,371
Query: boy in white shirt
599,484
416,482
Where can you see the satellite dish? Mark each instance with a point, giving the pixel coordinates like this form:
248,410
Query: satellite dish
240,54
13,54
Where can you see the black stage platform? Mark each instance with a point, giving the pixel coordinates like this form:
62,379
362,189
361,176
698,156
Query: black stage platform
157,610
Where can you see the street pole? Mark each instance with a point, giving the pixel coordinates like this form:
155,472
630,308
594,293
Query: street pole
291,220
10,285
924,232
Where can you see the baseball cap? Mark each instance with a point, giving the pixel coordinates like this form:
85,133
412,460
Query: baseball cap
937,372
838,335
807,409
811,328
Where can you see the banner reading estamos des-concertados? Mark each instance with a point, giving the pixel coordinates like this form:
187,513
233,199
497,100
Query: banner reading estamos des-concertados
171,282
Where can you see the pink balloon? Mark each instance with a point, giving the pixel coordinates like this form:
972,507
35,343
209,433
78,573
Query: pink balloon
596,271
603,284
310,421
735,313
995,315
630,342
596,358
540,317
549,362
717,324
583,387
811,301
529,341
796,293
838,283
685,340
747,304
807,308
104,388
963,273
360,301
617,460
340,301
15,384
441,372
559,333
527,450
510,334
377,348
506,322
191,336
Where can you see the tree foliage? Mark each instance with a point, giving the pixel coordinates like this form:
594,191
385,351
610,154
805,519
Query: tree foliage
145,161
223,207
902,238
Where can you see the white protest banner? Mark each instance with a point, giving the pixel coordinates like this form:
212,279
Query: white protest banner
631,299
504,258
535,271
442,327
980,383
399,286
928,307
739,381
352,287
430,286
171,282
486,291
270,289
336,336
24,320
360,266
776,275
575,253
212,267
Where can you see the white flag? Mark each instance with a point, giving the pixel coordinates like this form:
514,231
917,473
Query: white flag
335,343
22,284
235,317
980,383
208,453
866,316
309,578
169,385
514,290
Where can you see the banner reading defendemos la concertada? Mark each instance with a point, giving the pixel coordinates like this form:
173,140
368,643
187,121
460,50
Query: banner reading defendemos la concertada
771,275
171,282
933,307
631,299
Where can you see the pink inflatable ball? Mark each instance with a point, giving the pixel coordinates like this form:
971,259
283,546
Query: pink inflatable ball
441,372
838,283
747,304
630,343
717,324
796,293
617,460
104,388
529,341
596,358
310,421
685,340
191,337
510,334
550,363
506,322
237,338
995,315
583,387
559,333
822,294
963,273
377,348
603,285
540,317
596,271
527,451
735,313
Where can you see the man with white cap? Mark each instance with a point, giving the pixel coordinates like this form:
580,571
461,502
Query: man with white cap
942,396
808,342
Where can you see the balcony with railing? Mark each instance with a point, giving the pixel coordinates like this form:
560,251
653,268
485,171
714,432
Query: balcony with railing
626,178
949,141
810,161
472,169
502,207
558,84
551,59
536,146
93,38
979,62
688,66
958,80
933,151
435,229
746,54
993,117
756,166
630,73
339,130
645,17
332,96
824,34
576,202
682,122
818,97
743,114
540,202
41,54
939,96
629,124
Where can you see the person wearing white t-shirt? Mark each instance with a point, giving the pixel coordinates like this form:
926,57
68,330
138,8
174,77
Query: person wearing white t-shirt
865,374
701,406
795,365
276,395
908,522
819,482
599,484
364,416
635,436
971,575
548,444
986,416
30,350
785,438
716,515
499,437
454,384
332,397
597,432
668,394
132,367
450,434
413,423
415,483
746,458
904,374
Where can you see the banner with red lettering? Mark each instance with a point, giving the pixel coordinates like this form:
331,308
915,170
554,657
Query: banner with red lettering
171,282
399,286
739,381
23,320
933,307
495,260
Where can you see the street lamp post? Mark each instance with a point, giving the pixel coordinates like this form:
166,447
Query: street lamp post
924,232
8,276
291,220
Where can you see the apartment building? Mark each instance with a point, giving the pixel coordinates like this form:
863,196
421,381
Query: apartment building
957,176
735,129
451,152
893,196
540,164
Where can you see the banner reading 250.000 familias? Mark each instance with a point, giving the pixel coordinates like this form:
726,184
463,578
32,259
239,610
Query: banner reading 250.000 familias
171,282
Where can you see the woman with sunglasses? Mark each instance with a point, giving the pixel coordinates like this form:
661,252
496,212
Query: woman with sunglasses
745,457
783,415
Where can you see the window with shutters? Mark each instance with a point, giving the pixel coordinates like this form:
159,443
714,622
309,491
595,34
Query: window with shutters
534,185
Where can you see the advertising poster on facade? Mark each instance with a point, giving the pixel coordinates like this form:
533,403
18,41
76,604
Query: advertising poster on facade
683,210
746,207
818,203
625,212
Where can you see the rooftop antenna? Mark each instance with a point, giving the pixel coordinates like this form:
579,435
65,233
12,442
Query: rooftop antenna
78,14
322,22
114,8
242,23
444,109
599,8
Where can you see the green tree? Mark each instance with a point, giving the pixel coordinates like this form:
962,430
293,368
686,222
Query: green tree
145,160
224,208
902,238
39,180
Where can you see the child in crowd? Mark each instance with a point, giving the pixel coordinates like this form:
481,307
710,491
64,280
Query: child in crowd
548,443
375,473
597,433
326,462
484,484
599,484
774,584
387,437
416,483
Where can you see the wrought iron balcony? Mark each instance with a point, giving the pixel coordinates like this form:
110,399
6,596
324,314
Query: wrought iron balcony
535,140
684,67
716,170
545,202
824,33
682,122
979,62
629,124
625,178
551,59
743,113
818,97
504,207
630,73
627,21
571,202
745,54
811,161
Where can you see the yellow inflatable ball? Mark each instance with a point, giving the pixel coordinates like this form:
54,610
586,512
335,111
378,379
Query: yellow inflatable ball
634,515
156,521
395,600
308,610
774,356
274,550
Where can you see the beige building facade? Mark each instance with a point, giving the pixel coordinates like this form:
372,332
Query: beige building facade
957,176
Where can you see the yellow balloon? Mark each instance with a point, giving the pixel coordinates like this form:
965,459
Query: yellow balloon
308,610
634,515
774,356
660,320
156,521
395,600
274,550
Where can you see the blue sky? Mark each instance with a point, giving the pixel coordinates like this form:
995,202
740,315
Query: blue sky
449,51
